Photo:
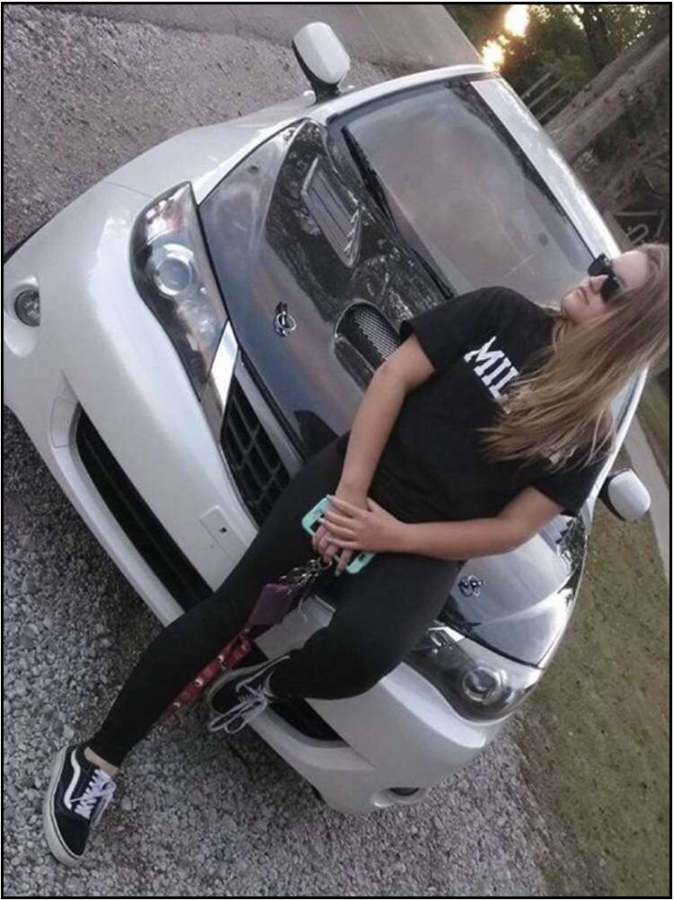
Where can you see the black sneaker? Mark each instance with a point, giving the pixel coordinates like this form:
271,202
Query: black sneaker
77,796
241,695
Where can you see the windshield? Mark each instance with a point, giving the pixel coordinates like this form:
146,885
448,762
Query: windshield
463,193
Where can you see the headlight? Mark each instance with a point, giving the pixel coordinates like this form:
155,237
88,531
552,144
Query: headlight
479,683
173,275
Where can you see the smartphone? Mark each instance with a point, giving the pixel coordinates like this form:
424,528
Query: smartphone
311,524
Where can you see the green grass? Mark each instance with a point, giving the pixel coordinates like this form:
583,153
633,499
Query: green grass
654,414
595,734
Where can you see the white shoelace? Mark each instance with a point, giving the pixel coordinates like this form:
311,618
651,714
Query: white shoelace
100,788
247,709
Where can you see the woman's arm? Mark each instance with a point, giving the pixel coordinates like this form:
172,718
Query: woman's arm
370,430
403,371
376,529
461,540
517,523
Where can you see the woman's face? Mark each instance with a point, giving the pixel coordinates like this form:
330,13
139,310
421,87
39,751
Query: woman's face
585,302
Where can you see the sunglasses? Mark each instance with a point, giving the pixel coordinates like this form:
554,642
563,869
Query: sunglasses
612,286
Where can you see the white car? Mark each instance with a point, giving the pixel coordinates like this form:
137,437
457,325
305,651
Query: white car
181,338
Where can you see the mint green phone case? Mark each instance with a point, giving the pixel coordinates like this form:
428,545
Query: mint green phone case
310,523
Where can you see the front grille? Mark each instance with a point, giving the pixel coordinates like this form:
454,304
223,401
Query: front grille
257,469
295,711
135,517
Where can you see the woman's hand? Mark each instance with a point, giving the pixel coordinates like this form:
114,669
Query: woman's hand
322,540
353,528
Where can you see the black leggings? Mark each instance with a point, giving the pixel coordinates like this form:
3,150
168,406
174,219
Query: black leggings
382,612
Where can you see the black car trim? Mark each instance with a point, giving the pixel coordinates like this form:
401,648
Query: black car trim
296,712
137,520
252,457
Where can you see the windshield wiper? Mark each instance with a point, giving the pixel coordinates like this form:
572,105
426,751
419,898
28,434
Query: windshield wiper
371,178
375,186
437,279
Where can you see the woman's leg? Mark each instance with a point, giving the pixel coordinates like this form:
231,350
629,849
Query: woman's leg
381,614
185,646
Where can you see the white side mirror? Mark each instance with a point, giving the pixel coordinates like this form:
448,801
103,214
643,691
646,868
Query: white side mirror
322,58
626,496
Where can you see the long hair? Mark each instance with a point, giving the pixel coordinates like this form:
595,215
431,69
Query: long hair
560,404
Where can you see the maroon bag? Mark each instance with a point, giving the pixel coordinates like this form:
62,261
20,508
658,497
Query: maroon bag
276,600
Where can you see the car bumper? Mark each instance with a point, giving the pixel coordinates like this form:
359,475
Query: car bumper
99,351
402,733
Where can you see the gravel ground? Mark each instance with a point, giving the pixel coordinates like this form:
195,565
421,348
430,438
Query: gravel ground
194,815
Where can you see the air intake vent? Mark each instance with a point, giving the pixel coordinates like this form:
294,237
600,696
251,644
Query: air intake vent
335,211
369,332
135,517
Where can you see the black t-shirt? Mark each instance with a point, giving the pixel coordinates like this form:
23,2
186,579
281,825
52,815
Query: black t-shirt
432,467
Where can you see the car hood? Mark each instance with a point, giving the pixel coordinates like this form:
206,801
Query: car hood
297,247
289,232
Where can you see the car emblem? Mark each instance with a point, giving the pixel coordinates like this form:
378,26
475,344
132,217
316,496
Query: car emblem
283,321
470,586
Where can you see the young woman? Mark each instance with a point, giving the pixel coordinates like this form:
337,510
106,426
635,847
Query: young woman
491,418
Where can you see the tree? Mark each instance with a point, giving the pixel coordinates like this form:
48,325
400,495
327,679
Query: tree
618,183
634,75
615,126
479,21
554,45
591,16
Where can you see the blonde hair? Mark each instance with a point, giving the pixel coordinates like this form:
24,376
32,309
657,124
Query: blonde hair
563,404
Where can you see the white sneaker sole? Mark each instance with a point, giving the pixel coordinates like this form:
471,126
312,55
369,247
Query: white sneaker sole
54,840
226,677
